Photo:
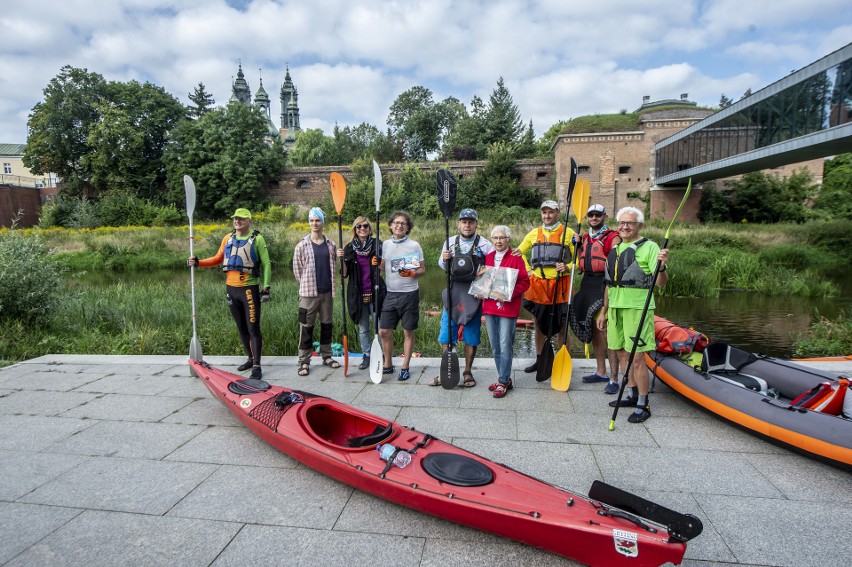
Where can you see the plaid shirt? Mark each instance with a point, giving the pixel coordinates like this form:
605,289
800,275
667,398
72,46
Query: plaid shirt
304,266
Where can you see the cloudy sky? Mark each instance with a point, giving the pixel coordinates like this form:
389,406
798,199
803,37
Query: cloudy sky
350,59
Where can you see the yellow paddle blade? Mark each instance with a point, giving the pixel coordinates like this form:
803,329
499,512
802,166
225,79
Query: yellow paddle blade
338,191
560,379
580,199
586,345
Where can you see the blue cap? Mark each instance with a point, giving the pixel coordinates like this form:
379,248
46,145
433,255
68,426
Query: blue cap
468,214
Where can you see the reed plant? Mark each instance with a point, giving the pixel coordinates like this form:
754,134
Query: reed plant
826,337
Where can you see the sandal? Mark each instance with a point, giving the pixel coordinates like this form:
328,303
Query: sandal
330,362
468,382
436,381
304,369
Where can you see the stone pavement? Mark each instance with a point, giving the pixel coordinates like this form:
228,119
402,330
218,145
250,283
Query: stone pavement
126,460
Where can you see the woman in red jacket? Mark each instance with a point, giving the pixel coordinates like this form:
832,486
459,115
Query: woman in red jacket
501,309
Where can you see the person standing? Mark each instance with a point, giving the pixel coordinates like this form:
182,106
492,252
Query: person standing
245,260
313,265
501,315
358,265
595,246
629,277
465,252
547,259
402,262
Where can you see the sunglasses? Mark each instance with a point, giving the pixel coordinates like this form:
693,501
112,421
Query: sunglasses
362,226
593,215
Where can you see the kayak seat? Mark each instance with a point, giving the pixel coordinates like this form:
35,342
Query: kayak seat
377,436
746,381
457,470
723,357
248,386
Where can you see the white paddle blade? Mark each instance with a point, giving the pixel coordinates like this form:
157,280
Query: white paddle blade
195,349
377,359
189,189
377,181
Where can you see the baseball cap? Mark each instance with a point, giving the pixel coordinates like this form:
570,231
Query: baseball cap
550,204
597,208
242,213
468,214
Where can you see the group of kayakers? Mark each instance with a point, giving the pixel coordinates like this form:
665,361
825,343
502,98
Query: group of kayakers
617,265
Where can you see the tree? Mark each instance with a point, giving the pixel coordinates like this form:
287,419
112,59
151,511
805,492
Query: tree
59,126
225,153
314,148
202,100
502,119
762,198
415,121
725,102
833,198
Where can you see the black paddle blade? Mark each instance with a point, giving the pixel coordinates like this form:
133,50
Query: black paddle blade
681,527
545,362
446,192
449,369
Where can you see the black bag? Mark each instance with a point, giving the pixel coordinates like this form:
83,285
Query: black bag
464,267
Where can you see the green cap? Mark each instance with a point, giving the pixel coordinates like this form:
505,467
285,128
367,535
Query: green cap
242,213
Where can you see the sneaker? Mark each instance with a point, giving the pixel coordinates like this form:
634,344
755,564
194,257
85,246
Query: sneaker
531,368
404,374
611,388
365,363
501,390
625,403
388,369
245,365
643,414
493,386
593,378
256,373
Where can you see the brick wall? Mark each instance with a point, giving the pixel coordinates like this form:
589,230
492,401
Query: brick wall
13,200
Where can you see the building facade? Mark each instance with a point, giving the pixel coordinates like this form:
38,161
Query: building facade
289,99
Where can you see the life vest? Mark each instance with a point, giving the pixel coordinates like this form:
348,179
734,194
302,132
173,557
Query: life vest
592,258
826,397
240,255
672,338
622,270
546,252
464,266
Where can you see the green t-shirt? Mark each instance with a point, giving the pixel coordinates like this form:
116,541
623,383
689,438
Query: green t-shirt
634,297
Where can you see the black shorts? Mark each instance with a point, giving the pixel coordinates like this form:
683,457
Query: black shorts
401,306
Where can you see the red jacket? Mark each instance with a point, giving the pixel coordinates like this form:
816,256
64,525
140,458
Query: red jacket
513,307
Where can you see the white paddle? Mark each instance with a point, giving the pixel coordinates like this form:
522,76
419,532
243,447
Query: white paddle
377,358
189,188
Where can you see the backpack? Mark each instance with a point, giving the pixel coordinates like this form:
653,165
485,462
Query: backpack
672,338
464,267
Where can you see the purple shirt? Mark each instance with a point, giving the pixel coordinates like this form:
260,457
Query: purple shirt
366,271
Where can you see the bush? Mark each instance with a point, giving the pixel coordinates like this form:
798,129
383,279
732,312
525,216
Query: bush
825,337
30,279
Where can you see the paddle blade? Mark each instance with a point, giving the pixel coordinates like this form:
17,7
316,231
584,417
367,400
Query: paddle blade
338,191
189,189
562,369
580,199
195,349
345,356
446,192
377,182
545,362
449,369
377,359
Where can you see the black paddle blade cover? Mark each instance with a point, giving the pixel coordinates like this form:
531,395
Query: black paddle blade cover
545,363
446,192
449,370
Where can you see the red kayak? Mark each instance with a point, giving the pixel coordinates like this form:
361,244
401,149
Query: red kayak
611,527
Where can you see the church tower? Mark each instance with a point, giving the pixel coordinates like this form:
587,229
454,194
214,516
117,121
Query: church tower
289,109
262,101
240,90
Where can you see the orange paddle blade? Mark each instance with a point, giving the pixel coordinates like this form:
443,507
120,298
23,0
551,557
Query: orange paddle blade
338,191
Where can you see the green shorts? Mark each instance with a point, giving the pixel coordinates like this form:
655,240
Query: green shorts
622,324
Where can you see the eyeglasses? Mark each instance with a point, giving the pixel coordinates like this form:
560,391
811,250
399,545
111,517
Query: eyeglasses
399,223
594,215
362,226
499,238
627,223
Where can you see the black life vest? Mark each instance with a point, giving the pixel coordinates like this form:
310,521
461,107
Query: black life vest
622,270
549,251
464,266
240,255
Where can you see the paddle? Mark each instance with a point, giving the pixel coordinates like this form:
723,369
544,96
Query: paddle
338,194
637,338
544,367
562,364
189,188
446,189
376,355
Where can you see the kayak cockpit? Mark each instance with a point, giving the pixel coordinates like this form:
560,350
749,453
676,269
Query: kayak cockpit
342,429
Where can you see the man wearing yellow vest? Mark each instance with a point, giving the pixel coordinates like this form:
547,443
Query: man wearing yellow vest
547,258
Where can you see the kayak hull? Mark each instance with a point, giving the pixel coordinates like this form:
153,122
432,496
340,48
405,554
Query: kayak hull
819,435
318,432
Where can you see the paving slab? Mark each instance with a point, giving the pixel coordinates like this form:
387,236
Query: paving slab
127,460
